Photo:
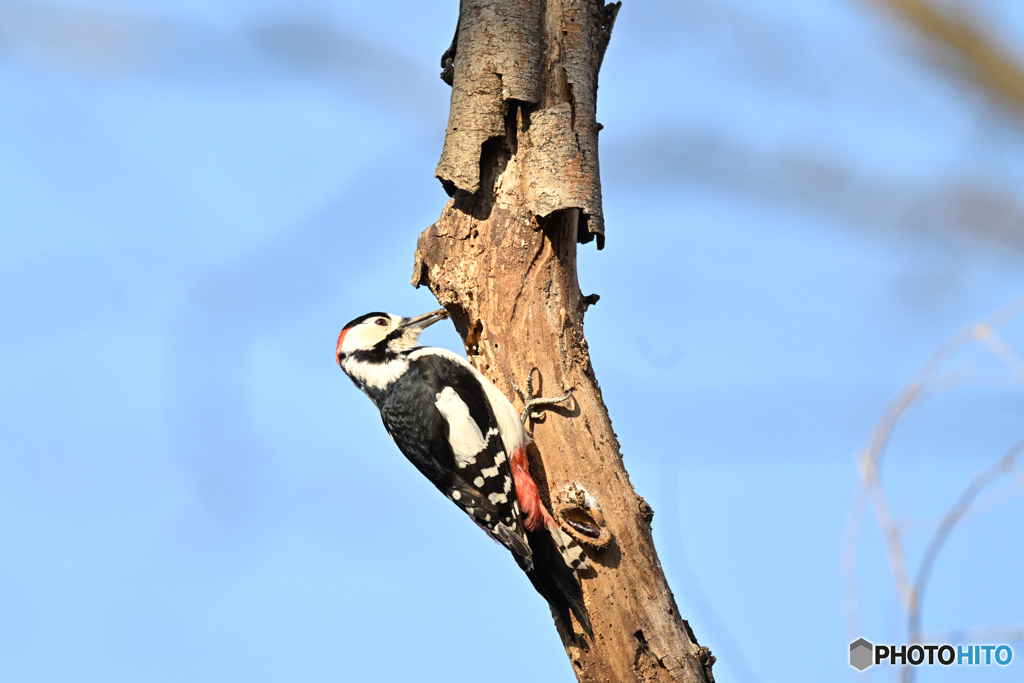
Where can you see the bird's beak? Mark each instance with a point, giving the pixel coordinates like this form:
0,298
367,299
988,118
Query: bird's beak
422,322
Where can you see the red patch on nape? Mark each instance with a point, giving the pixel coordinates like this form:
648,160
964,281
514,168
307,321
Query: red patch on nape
529,497
341,340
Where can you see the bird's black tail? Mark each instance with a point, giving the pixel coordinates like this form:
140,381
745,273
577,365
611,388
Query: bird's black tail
554,579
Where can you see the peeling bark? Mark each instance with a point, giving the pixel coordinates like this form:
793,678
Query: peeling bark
520,161
533,56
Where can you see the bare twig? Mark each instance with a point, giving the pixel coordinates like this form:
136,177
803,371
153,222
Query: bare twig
987,476
927,382
990,634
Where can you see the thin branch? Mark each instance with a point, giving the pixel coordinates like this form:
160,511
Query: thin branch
927,382
984,634
978,509
987,64
1003,466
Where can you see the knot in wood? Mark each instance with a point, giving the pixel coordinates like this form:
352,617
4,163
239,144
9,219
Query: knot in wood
646,511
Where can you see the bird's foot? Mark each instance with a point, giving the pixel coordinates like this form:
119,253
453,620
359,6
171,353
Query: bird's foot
530,401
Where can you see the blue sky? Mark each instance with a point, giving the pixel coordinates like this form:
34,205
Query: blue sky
194,197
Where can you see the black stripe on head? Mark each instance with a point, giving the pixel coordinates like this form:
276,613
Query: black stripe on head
364,318
394,334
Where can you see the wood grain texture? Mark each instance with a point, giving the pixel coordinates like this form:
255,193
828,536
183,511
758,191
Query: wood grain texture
502,260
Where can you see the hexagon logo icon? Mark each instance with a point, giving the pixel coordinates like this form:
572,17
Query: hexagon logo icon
860,654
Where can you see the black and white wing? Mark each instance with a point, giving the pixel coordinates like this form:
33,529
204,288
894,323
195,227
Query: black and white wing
440,418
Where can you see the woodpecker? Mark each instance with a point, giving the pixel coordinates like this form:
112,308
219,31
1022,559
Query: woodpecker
464,435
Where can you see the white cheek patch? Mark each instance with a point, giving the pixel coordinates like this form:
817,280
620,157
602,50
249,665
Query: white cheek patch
362,337
463,432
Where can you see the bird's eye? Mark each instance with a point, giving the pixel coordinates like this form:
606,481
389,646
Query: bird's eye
381,321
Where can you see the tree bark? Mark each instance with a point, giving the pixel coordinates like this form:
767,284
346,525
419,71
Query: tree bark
520,162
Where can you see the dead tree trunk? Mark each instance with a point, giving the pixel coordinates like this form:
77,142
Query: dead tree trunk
520,162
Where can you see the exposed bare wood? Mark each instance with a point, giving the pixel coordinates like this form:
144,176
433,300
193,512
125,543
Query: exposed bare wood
520,159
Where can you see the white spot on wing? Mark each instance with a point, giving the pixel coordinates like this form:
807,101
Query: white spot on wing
456,495
513,435
479,481
463,432
497,498
489,472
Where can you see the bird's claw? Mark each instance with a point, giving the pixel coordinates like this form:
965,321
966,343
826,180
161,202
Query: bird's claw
530,401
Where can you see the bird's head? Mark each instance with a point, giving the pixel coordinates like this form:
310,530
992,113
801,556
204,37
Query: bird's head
384,333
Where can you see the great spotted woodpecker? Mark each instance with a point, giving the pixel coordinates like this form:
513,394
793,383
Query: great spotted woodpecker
464,435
